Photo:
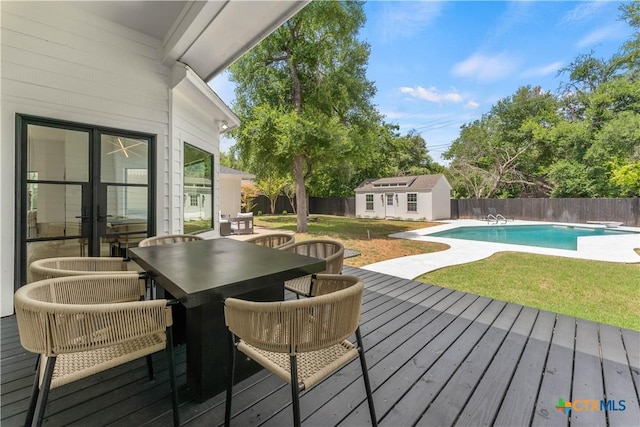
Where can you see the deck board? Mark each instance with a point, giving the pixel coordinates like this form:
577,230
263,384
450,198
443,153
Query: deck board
435,357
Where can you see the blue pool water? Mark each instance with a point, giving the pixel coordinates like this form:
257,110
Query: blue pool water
546,236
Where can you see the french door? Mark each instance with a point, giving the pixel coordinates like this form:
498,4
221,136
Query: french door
82,190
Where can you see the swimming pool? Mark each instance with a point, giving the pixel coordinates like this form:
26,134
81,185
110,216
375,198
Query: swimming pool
546,236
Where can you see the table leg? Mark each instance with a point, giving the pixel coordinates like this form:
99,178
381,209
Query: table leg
207,353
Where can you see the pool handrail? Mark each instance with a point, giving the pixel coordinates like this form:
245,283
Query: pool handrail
496,218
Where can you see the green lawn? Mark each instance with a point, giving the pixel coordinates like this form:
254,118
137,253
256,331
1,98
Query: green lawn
599,291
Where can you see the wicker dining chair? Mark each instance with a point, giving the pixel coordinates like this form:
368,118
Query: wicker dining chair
169,238
273,240
48,268
83,325
301,341
330,250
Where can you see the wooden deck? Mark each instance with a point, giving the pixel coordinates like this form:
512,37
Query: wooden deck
435,356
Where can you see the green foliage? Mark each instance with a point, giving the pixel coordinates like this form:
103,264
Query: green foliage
303,97
272,187
248,194
582,142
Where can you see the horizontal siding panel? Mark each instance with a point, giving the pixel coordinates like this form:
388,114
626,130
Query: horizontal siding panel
96,56
77,29
153,86
58,98
22,75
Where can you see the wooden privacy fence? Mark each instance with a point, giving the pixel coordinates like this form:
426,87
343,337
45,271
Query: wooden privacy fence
626,210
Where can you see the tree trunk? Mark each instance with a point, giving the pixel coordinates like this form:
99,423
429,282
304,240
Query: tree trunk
301,193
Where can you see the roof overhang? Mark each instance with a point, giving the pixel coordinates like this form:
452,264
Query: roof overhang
208,36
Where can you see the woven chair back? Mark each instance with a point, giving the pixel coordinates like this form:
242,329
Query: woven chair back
275,240
298,326
81,313
171,238
50,268
331,251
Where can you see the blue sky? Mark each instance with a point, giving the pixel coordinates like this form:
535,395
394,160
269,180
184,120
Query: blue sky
438,65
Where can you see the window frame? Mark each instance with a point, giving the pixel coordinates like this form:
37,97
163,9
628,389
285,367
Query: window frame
412,205
208,157
367,202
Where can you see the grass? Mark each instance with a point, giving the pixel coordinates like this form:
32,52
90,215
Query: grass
368,236
599,291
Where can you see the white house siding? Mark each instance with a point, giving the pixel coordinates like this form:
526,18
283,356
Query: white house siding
193,125
63,63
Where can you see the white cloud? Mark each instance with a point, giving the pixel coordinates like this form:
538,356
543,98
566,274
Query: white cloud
544,70
406,19
485,68
583,12
611,32
432,94
471,104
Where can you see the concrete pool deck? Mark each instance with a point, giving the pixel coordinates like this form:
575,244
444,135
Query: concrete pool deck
596,248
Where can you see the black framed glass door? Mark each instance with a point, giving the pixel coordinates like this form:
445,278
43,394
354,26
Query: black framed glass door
81,190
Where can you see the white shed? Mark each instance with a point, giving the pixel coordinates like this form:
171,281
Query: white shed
422,197
231,189
107,117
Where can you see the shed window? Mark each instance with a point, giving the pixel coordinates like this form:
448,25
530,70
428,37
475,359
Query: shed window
369,199
412,202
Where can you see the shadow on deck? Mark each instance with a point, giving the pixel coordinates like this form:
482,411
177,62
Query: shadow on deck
435,356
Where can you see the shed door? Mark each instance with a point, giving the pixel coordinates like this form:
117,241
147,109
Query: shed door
390,205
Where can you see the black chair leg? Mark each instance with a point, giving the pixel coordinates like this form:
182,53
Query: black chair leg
295,390
35,390
150,367
365,376
230,373
44,392
172,378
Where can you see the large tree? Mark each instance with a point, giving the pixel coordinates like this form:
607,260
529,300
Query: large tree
303,97
505,152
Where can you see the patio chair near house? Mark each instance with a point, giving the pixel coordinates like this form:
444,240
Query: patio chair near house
300,341
84,325
170,238
331,251
273,240
242,223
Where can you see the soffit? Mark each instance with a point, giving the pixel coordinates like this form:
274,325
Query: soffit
208,36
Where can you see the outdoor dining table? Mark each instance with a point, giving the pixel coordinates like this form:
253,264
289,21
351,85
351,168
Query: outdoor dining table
201,275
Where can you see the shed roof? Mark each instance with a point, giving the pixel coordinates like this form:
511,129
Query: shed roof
224,170
412,183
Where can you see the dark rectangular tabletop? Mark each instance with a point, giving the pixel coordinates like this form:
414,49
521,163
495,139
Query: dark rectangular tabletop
204,271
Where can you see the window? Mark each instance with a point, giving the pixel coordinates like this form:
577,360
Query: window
412,202
369,199
197,184
389,199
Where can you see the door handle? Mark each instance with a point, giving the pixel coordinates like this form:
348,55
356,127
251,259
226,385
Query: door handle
101,216
85,216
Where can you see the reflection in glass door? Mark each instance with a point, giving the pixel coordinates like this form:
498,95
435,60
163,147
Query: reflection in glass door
123,206
82,191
